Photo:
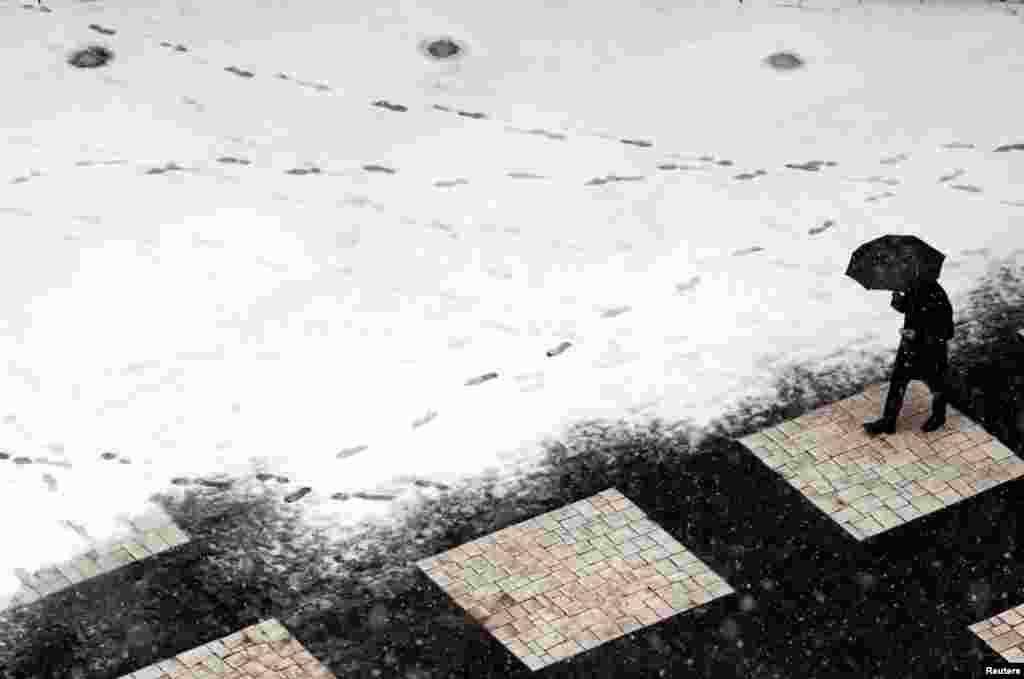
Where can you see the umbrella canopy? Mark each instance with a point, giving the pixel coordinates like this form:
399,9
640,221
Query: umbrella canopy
894,263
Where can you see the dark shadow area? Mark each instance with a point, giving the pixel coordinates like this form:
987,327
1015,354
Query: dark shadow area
809,600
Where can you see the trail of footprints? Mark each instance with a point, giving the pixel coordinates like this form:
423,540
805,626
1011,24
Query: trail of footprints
394,107
702,163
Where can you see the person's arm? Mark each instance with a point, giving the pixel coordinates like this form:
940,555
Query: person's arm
899,301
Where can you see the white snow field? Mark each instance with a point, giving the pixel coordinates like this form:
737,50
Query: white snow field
231,317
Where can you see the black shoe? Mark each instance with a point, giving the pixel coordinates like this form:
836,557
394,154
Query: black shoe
882,426
933,423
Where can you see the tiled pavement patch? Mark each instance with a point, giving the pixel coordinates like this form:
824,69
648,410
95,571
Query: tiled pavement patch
150,533
870,485
1004,633
572,579
266,650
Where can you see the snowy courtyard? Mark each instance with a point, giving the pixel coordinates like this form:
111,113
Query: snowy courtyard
291,240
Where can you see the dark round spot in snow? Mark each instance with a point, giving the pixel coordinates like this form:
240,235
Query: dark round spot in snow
443,48
283,479
784,61
181,481
93,56
108,456
5,456
22,460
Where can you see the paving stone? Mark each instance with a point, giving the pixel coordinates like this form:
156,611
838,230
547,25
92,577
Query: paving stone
610,569
243,657
877,484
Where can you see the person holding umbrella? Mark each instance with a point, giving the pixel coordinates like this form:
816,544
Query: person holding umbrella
910,267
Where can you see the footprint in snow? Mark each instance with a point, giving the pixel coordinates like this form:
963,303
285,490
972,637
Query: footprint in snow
984,252
169,167
875,179
615,311
346,453
750,175
688,285
319,87
231,160
429,417
1009,147
217,485
643,143
879,196
378,168
676,166
430,484
5,456
449,183
101,30
747,251
240,72
560,349
893,160
298,494
524,175
956,174
301,171
608,179
958,145
538,132
99,163
51,482
970,188
387,105
480,379
1013,203
375,497
22,460
176,48
811,165
814,231
471,114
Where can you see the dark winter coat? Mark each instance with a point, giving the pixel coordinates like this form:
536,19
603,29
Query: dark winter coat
930,315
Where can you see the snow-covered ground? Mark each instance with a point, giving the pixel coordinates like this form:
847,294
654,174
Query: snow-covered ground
230,317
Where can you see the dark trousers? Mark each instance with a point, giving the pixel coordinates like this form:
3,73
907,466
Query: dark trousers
926,361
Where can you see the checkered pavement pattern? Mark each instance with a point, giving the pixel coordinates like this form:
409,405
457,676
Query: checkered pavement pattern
871,485
150,533
1004,633
569,580
265,650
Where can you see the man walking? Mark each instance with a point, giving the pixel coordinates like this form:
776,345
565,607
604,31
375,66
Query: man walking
923,353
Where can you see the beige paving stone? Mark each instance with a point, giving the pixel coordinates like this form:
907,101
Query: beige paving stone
242,655
553,598
1004,633
869,485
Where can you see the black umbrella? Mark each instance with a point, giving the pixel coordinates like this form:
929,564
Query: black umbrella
894,263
